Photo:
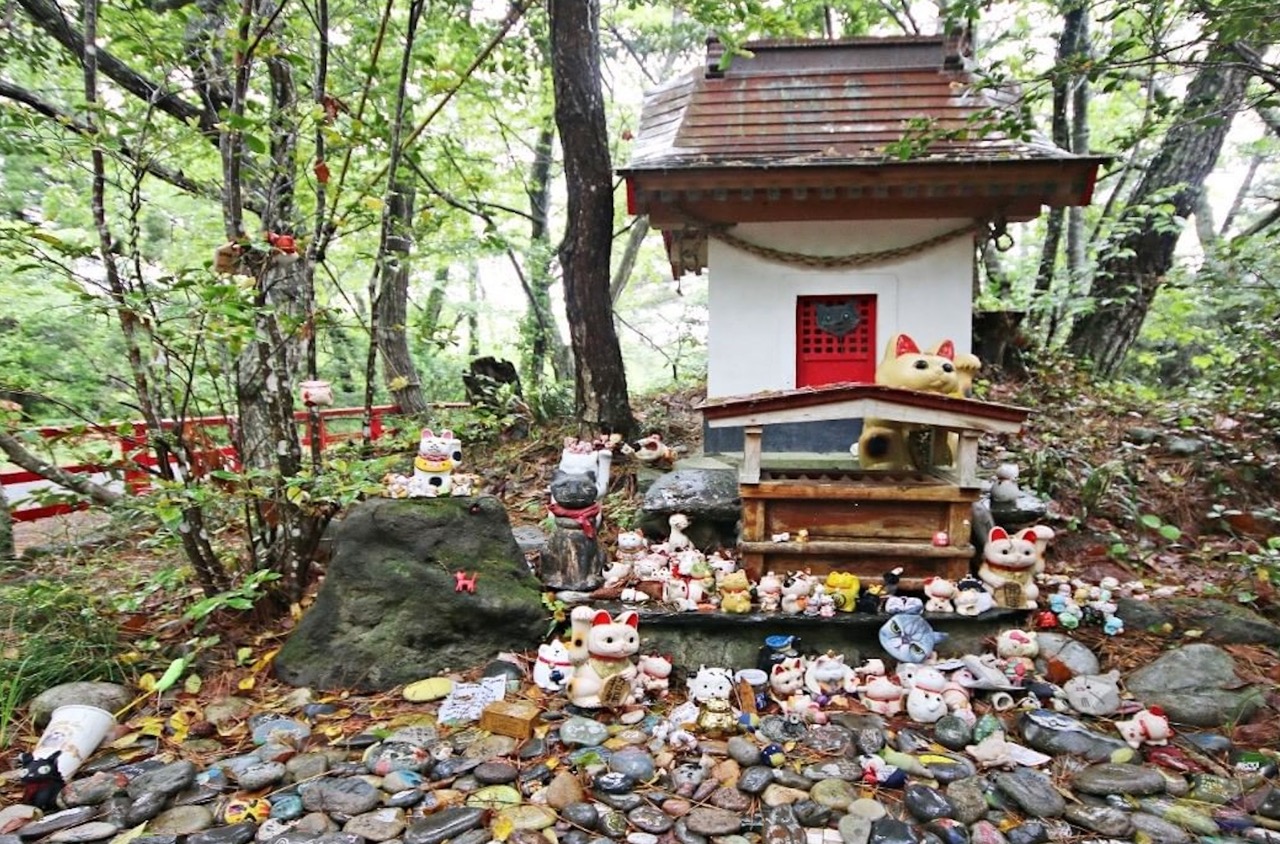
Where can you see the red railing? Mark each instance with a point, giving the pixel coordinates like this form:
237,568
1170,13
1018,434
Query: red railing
134,465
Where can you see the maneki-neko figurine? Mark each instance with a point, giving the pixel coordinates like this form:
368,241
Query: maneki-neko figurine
1009,566
735,593
601,648
433,467
710,689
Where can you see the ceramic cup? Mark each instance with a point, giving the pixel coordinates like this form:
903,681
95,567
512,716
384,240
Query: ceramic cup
76,730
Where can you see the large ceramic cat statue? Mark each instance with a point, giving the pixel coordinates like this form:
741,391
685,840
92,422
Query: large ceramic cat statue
885,444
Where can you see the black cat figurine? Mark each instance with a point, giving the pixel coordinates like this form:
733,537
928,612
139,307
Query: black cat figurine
41,780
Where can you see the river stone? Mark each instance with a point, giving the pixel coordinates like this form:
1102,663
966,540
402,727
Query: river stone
388,613
811,814
947,831
650,819
926,803
833,793
238,833
1108,778
779,795
780,826
109,696
682,834
378,825
889,830
728,797
621,802
490,747
839,769
307,766
443,825
1030,832
1055,733
181,820
256,777
563,790
1104,820
1195,684
967,798
755,779
633,762
952,732
584,815
612,824
528,816
92,831
854,829
495,797
791,779
1159,830
583,732
985,832
705,820
169,779
637,838
495,772
1032,791
744,751
346,796
1073,655
829,740
89,791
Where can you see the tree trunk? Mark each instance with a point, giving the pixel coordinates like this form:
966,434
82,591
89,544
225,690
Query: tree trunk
398,368
7,549
1132,266
600,379
540,329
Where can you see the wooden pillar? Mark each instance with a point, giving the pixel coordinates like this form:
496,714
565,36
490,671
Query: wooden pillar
967,459
751,439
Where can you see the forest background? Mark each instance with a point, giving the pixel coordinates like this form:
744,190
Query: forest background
444,172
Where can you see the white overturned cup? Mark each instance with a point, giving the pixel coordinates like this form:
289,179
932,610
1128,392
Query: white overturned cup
76,730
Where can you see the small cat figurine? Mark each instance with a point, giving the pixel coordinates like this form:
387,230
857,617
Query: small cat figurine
885,444
909,638
433,468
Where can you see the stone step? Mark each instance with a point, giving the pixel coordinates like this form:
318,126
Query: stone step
733,640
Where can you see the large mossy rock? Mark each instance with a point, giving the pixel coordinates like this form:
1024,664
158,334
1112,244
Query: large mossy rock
388,612
1197,685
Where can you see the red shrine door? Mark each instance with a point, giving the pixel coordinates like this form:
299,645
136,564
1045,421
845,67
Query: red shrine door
835,339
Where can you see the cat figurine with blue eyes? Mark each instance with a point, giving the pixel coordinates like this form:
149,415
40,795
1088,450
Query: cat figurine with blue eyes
885,444
909,638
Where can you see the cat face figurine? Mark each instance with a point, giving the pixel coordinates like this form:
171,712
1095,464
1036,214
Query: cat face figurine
836,318
905,366
909,638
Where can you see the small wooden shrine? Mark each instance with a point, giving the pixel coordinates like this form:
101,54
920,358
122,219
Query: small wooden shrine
834,191
861,521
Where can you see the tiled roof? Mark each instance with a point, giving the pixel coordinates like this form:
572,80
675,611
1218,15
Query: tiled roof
830,103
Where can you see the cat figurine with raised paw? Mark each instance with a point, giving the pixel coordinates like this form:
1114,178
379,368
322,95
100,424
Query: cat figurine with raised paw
886,444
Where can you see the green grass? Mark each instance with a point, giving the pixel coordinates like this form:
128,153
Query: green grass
54,632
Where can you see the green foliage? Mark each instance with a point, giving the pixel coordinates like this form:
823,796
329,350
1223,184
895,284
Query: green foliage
55,632
242,598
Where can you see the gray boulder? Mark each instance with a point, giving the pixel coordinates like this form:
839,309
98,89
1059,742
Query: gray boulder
708,496
1196,685
1222,622
109,696
389,611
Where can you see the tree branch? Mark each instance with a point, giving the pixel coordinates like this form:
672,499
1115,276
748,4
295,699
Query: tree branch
20,456
69,122
46,15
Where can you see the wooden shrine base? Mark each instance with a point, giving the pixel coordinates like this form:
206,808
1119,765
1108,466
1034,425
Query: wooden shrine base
857,521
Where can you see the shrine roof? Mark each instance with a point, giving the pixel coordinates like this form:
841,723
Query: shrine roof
864,102
852,401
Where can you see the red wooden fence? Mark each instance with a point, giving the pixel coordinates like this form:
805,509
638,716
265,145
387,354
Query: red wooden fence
134,463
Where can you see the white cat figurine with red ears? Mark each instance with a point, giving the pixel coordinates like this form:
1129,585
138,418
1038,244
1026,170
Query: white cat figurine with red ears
1012,560
433,468
601,648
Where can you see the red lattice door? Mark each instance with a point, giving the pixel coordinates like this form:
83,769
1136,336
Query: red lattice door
835,339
